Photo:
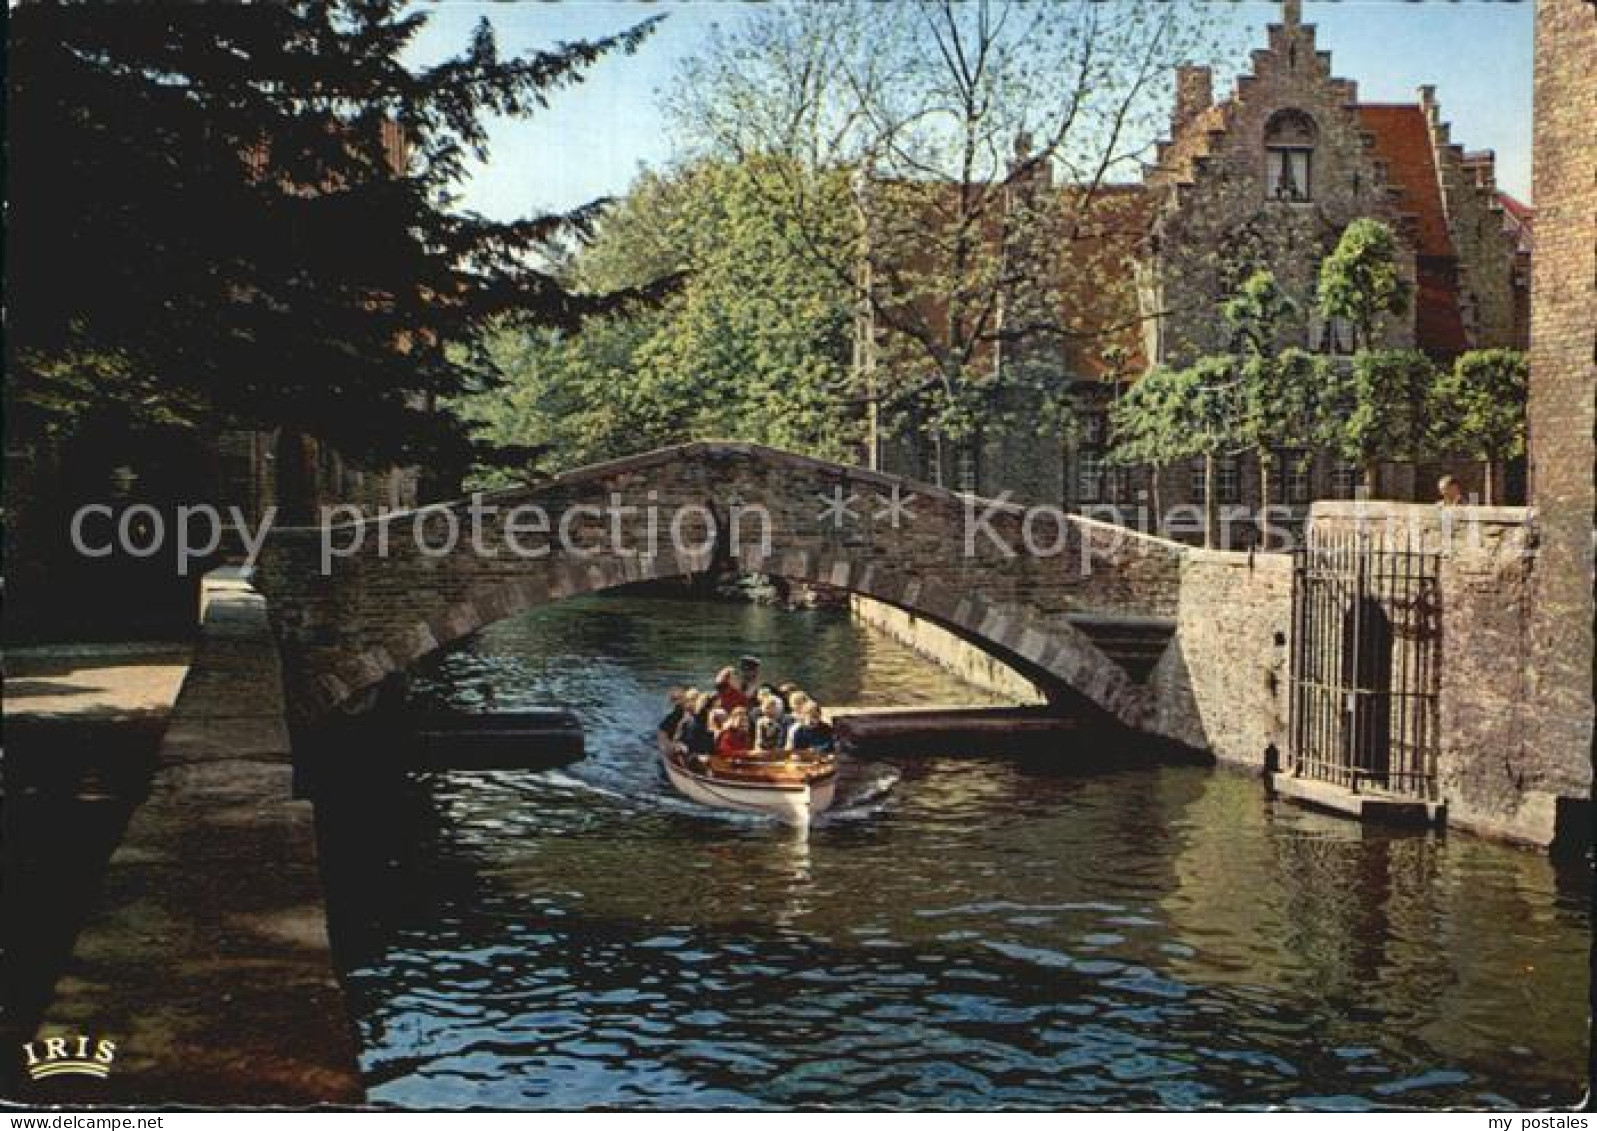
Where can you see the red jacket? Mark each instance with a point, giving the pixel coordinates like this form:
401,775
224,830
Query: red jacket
729,697
731,740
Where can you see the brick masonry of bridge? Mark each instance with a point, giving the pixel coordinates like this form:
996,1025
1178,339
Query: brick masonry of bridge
957,562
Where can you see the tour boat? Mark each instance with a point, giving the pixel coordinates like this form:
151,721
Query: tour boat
790,785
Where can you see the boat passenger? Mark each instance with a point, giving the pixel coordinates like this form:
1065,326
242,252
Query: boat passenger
717,722
768,729
796,708
693,735
729,695
735,737
697,702
748,675
813,732
787,691
668,725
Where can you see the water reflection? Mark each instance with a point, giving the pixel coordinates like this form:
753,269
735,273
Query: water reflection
973,931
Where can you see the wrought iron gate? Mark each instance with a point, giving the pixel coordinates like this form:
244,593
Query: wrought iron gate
1366,623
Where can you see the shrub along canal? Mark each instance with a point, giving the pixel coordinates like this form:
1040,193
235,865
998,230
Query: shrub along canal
981,930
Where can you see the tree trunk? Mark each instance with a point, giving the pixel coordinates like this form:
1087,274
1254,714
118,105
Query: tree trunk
1158,506
1263,522
1490,491
1211,509
873,433
298,478
1372,476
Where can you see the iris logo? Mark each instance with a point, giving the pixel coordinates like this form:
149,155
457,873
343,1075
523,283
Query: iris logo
69,1056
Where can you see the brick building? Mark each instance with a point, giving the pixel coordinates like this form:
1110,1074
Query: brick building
1267,177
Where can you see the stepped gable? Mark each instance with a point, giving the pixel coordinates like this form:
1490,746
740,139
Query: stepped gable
1291,57
1492,249
1395,162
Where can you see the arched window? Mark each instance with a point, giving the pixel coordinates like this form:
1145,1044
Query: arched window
1289,138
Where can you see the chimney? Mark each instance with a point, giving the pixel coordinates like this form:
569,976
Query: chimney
1428,103
1194,94
1292,13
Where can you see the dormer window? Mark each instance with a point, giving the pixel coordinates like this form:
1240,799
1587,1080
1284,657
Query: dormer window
1289,139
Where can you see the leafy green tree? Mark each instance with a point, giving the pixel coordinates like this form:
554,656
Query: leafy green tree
1206,396
1267,413
1177,414
1479,409
754,344
1289,400
1390,400
1362,282
1144,430
1255,313
560,400
243,215
951,119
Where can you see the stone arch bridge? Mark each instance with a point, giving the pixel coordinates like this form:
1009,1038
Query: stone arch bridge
1081,608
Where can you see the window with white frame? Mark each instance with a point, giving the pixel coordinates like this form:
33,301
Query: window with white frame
1227,480
1116,483
1091,459
1332,336
1289,139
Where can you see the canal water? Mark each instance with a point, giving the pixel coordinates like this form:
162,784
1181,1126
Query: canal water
971,931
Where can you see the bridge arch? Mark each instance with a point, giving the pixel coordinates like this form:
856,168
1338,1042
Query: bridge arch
356,602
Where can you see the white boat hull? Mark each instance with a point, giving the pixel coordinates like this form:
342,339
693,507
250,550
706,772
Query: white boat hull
793,804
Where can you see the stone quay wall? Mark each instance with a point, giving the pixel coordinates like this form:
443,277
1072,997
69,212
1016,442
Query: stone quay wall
1221,686
1494,773
208,962
976,667
1224,684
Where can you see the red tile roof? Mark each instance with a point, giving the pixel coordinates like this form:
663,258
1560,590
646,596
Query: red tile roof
1097,235
1403,142
1097,283
1517,208
1519,221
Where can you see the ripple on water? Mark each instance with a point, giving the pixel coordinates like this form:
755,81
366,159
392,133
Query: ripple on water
958,932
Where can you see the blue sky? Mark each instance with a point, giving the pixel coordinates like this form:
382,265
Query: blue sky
593,138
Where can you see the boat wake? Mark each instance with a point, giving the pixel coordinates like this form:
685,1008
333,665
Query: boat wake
864,789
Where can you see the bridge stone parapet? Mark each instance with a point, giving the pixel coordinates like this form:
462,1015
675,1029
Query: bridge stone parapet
353,602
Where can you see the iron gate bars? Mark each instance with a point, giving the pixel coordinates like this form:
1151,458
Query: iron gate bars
1366,625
